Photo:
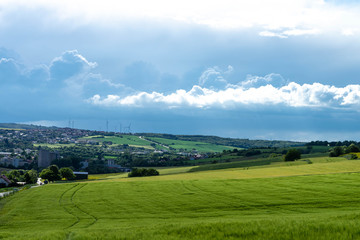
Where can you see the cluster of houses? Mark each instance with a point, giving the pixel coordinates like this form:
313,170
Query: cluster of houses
45,135
62,135
14,158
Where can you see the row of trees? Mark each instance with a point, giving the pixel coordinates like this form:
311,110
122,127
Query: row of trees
331,144
143,172
15,176
340,150
53,173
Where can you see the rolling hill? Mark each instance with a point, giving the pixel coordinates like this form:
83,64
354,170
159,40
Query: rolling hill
277,201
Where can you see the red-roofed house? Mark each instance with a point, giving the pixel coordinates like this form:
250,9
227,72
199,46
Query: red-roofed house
4,180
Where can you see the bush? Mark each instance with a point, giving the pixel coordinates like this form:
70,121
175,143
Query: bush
67,173
337,151
31,176
292,155
352,148
252,152
143,172
51,173
351,156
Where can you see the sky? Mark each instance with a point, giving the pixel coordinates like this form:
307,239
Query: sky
277,70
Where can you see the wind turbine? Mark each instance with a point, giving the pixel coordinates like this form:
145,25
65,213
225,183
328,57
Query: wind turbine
127,129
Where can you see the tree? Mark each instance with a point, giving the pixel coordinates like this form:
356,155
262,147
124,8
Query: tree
337,151
152,172
292,155
51,173
70,161
31,176
54,169
352,148
46,174
67,173
142,172
62,162
15,176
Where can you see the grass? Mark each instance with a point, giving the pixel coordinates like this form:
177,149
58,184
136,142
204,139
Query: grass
238,164
131,140
136,141
162,171
106,176
6,189
276,201
57,145
189,145
265,162
13,129
218,159
173,170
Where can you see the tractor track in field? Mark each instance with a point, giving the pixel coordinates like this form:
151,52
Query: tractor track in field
231,201
72,208
224,198
279,206
82,210
66,209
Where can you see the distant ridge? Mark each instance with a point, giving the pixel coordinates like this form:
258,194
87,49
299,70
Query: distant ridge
231,142
22,126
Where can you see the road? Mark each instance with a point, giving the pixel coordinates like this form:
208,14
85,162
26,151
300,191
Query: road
3,194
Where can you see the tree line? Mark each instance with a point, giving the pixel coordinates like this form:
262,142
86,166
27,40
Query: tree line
50,174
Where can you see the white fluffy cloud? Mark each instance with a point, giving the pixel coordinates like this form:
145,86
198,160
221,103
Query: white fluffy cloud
70,63
291,95
73,74
70,73
214,77
273,79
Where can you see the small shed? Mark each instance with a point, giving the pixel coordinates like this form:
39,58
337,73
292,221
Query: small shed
81,175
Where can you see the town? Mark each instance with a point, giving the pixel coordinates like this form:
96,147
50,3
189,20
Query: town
85,150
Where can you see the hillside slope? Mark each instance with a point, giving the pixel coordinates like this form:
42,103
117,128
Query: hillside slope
222,204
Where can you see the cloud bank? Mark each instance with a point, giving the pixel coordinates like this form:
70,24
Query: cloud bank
216,102
314,95
70,73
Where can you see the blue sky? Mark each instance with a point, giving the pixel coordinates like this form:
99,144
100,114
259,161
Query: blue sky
245,69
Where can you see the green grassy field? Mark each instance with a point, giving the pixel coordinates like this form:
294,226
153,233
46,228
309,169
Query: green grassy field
277,201
189,145
14,129
131,140
57,145
322,165
265,162
136,141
